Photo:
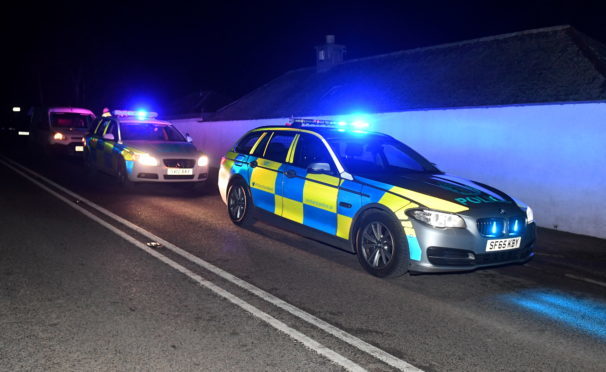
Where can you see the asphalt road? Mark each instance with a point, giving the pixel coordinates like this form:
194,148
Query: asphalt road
75,295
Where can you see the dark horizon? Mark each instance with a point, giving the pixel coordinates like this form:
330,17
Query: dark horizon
149,55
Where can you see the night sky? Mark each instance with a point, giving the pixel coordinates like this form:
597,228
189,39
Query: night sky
97,54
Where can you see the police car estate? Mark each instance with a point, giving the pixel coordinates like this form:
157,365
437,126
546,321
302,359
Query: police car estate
136,147
372,195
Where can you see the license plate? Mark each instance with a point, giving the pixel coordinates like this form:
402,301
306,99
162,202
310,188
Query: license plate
503,244
180,171
79,148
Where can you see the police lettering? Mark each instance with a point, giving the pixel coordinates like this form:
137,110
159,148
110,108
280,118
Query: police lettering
479,200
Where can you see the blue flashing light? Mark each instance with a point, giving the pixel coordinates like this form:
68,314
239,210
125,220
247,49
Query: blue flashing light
359,124
141,114
583,315
516,226
493,229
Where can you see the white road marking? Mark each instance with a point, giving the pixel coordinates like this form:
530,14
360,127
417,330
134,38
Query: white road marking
588,280
291,332
301,314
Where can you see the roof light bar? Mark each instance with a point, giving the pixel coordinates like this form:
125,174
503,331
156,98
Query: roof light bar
300,123
141,114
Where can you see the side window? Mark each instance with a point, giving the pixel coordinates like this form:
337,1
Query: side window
113,129
95,125
310,149
258,152
246,143
101,128
278,146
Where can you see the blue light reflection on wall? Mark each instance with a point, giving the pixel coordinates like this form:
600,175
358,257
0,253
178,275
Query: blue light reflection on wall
583,315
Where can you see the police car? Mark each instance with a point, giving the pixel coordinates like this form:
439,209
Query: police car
136,147
370,194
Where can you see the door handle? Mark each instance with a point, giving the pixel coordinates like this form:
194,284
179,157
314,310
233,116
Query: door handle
290,173
345,205
254,164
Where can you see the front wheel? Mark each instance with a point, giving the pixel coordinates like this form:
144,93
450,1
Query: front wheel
381,246
239,204
123,179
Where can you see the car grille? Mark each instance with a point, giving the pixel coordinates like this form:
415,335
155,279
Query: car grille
455,257
501,227
179,163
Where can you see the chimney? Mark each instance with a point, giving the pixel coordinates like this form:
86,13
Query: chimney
329,54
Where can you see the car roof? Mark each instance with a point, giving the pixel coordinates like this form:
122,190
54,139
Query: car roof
130,120
67,110
323,131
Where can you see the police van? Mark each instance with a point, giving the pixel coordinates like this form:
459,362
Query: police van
59,129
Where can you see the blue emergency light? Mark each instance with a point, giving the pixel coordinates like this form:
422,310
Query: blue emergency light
320,123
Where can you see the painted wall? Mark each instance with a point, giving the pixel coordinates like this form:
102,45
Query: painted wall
553,157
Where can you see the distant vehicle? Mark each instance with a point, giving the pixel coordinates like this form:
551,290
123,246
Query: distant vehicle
136,147
60,129
370,194
14,128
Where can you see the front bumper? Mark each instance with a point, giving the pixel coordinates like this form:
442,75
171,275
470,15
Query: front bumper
160,173
72,148
450,250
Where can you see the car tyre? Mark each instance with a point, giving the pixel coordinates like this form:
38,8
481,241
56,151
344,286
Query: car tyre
239,204
381,246
123,179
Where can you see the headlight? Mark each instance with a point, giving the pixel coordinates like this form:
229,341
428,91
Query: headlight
529,215
438,219
203,161
59,136
147,159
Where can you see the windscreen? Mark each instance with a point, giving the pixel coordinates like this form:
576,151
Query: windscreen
70,120
368,154
150,132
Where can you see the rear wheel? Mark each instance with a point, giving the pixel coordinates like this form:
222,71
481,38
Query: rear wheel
381,246
239,204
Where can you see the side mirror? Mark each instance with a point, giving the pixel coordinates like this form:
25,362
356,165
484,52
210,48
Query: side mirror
188,138
108,136
319,168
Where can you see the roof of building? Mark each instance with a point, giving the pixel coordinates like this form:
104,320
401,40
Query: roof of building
555,64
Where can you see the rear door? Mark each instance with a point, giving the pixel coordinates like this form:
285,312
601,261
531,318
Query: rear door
267,170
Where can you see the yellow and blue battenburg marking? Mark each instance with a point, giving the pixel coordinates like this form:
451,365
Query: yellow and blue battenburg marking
325,202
